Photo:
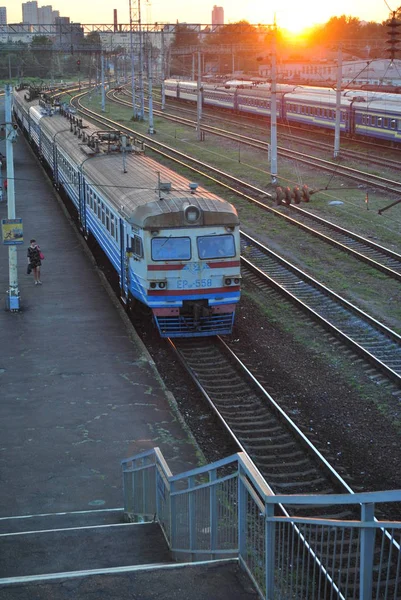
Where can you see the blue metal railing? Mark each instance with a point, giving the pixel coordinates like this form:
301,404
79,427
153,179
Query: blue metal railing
226,509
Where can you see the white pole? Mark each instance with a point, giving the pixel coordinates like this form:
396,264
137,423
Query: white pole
150,91
273,118
13,297
141,114
338,103
103,86
131,42
199,105
163,73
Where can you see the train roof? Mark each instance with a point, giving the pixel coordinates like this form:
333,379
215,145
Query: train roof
148,194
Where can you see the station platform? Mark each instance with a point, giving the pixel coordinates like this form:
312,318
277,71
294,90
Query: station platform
79,392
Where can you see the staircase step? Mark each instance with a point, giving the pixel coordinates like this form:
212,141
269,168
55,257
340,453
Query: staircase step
46,551
61,520
220,580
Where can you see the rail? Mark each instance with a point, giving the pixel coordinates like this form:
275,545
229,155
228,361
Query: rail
226,509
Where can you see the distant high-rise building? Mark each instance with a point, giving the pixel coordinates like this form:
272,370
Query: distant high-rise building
30,12
55,15
3,15
218,15
45,15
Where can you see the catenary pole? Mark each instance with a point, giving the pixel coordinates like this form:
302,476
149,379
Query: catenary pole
273,118
199,99
163,72
13,296
103,85
338,103
150,92
134,112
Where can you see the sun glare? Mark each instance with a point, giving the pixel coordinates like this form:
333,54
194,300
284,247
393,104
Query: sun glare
293,25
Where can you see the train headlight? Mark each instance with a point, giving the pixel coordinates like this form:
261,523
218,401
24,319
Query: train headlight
158,284
231,280
192,214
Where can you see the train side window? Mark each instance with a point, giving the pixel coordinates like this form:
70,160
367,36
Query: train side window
373,120
385,122
136,246
99,209
103,215
393,124
379,121
363,119
112,226
107,219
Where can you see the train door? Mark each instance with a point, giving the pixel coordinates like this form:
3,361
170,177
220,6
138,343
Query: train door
133,265
349,119
82,203
55,166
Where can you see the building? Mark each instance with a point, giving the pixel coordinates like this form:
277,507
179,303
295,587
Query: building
69,36
45,15
357,73
218,15
3,15
30,13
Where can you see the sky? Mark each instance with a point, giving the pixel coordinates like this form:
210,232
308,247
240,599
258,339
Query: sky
290,14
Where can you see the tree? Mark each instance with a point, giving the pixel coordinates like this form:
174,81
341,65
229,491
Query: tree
42,51
185,36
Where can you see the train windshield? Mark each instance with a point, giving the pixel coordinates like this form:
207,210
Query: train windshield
171,248
216,246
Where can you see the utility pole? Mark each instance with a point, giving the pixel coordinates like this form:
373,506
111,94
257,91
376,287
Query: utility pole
134,113
135,18
273,117
12,227
103,85
150,91
163,73
199,104
338,103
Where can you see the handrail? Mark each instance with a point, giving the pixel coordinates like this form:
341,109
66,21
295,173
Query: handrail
215,511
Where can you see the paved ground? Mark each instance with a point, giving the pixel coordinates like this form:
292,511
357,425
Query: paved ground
78,389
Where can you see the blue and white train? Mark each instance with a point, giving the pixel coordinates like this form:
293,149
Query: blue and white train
372,115
174,246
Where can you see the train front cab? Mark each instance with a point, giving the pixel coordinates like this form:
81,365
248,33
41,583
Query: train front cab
190,281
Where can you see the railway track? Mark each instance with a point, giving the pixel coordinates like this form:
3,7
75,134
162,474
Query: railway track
286,458
284,455
369,338
376,343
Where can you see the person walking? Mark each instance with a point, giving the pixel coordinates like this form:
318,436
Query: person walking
35,260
